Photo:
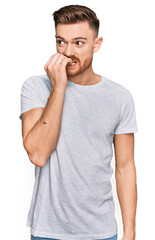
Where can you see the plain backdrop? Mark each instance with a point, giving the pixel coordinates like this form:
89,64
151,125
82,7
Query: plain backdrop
127,56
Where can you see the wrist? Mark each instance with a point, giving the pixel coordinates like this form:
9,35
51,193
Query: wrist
58,89
130,234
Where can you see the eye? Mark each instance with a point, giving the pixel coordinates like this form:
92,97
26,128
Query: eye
81,43
59,42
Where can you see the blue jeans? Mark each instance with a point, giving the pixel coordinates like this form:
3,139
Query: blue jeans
40,238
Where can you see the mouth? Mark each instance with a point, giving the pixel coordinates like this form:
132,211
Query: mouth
73,63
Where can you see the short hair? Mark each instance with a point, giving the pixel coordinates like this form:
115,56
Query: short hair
75,14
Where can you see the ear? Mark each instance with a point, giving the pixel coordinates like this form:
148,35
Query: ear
97,44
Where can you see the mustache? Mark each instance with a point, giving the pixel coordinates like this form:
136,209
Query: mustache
73,58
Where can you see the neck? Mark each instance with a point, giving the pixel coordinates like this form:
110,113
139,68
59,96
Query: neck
87,77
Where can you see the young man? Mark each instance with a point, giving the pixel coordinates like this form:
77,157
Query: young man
71,116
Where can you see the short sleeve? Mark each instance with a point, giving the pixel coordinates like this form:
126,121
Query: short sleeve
29,97
127,122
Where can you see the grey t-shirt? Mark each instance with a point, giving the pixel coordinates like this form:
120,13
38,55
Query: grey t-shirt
72,196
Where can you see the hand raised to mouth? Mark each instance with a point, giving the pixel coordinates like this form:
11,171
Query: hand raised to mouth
73,60
56,70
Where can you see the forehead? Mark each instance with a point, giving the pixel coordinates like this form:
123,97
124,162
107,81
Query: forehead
74,30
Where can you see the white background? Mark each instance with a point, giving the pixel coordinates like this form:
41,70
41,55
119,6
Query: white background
127,56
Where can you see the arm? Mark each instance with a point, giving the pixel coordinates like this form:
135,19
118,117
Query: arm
126,182
42,139
41,129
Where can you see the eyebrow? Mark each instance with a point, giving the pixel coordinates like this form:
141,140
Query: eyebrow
72,38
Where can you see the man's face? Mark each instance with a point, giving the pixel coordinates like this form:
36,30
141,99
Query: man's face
76,41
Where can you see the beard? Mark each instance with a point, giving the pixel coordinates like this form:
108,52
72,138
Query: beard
78,68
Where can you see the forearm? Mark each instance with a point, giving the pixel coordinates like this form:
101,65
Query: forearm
42,138
127,194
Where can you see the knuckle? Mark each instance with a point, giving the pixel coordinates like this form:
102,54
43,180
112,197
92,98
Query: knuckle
48,67
58,54
59,69
53,67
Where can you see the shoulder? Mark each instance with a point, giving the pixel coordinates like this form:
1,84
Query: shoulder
36,87
117,90
37,81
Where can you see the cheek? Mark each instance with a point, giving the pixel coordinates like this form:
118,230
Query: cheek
59,50
86,54
87,50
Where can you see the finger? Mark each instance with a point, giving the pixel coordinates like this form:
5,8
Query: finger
60,59
65,61
49,60
54,59
46,64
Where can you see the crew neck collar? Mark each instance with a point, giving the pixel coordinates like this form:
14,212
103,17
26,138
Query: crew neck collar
70,83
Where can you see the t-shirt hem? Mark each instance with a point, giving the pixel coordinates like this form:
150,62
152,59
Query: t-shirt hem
134,130
46,234
29,108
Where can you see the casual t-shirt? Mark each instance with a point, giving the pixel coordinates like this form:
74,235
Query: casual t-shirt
72,196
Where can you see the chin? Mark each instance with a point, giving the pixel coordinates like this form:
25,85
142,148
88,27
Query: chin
72,74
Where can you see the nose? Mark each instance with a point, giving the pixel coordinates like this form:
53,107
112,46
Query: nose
69,50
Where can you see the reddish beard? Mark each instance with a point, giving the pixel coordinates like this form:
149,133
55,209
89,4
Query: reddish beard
72,72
